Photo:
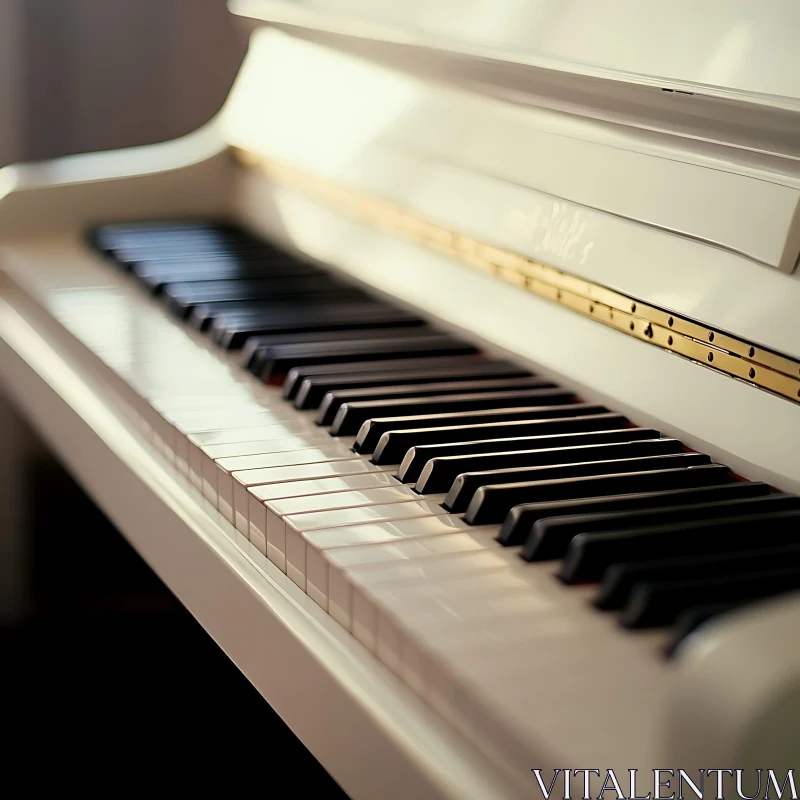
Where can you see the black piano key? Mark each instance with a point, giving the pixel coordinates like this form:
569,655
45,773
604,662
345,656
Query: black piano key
296,377
183,259
183,297
659,603
390,438
465,485
255,351
691,619
135,230
417,457
257,360
232,332
590,554
330,310
351,416
440,473
177,243
334,400
619,580
203,315
129,259
212,237
550,538
492,503
296,314
260,361
313,389
110,233
115,241
157,274
279,360
519,523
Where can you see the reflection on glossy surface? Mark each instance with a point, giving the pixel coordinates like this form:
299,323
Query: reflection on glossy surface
374,101
731,44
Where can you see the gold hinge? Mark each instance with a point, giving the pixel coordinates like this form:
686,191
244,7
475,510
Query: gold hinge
700,343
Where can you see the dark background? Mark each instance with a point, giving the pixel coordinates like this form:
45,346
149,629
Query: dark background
109,683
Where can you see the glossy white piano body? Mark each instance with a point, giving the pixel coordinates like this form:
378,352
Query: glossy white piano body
701,226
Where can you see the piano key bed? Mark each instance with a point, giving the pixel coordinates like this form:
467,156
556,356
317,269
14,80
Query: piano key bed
438,484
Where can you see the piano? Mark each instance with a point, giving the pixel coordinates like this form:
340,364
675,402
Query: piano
450,377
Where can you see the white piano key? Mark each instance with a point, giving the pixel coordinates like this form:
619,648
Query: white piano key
232,489
211,453
363,620
200,469
303,544
182,455
340,559
290,506
220,469
485,667
259,495
196,442
257,524
178,405
165,439
278,510
196,436
213,400
389,532
254,447
431,571
456,595
248,434
491,627
506,628
389,644
245,403
509,627
324,485
227,418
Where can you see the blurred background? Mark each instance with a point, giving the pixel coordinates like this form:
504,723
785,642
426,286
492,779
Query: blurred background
85,75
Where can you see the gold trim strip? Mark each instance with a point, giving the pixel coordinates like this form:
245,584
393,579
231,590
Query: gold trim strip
700,343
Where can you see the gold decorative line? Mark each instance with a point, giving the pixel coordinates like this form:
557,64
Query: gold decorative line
700,343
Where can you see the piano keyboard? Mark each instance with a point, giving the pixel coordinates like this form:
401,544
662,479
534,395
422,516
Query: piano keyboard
408,480
467,522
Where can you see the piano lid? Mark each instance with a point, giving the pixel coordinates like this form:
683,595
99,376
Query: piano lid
717,47
730,77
